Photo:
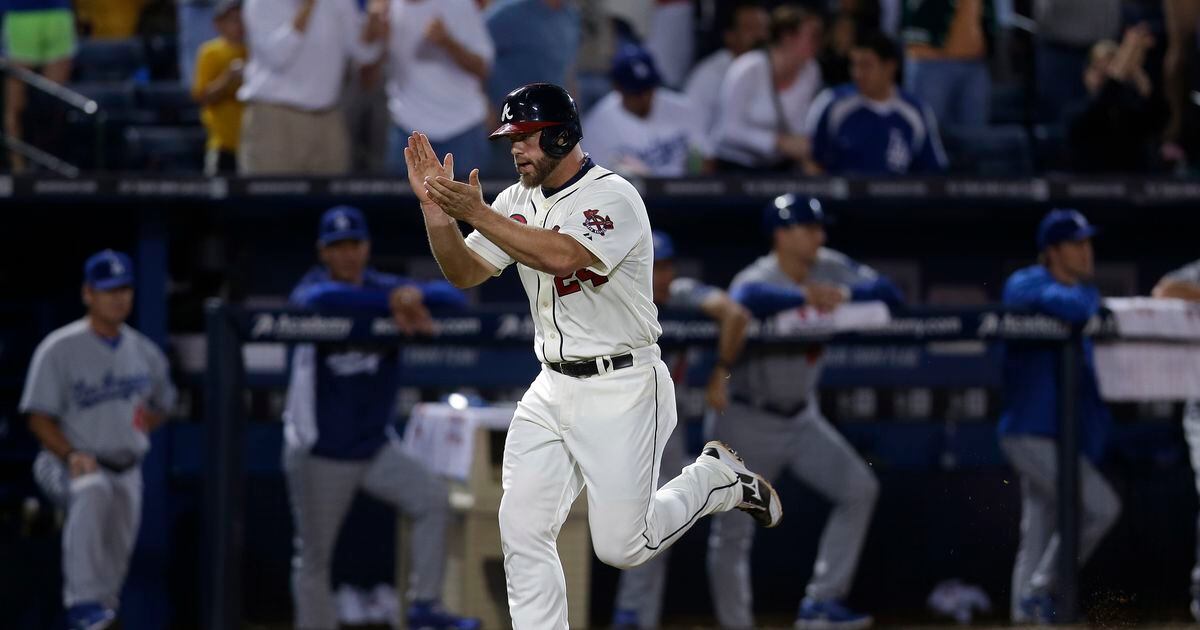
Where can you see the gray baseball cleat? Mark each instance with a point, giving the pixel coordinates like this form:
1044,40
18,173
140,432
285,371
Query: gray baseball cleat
759,499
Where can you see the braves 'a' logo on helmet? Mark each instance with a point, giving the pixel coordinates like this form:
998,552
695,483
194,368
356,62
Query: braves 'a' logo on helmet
507,113
595,223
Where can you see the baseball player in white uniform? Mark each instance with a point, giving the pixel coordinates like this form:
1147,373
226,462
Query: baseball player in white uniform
603,406
95,390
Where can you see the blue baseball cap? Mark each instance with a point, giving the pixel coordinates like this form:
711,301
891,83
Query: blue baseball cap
342,223
664,247
633,70
1063,225
789,209
108,270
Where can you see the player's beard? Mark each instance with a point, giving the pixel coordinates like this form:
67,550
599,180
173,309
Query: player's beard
541,170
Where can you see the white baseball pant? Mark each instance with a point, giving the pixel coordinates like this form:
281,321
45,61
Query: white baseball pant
605,433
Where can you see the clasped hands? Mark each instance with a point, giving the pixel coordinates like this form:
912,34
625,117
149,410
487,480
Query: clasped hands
433,182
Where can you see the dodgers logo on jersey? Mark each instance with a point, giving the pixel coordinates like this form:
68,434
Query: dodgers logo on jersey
110,387
595,223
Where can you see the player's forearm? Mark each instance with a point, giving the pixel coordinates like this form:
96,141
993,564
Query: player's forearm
457,261
537,248
1177,289
733,319
48,433
732,337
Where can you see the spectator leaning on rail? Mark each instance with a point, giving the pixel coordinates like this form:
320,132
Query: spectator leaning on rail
766,96
338,434
871,126
1059,286
747,28
641,128
441,53
218,76
298,58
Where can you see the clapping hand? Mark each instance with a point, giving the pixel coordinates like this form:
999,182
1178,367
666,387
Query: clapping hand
423,163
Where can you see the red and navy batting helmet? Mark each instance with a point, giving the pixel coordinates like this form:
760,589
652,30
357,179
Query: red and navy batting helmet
542,107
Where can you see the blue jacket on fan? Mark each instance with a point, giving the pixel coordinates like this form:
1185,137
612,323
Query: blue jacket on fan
1031,373
341,396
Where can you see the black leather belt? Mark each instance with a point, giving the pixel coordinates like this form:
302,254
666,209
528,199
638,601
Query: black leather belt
579,369
117,467
787,412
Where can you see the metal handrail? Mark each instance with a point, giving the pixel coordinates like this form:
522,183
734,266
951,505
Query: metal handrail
66,96
50,88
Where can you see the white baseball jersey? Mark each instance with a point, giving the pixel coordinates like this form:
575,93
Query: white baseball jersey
607,308
658,145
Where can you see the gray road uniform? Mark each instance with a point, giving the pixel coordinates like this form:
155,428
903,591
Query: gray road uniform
97,390
774,421
641,588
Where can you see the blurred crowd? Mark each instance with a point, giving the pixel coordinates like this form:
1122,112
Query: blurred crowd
668,87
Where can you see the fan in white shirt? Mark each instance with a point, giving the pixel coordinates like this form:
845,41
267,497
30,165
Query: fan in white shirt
640,128
298,54
746,28
440,53
766,95
299,49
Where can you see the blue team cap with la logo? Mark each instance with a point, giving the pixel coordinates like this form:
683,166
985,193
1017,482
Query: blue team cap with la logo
790,209
108,270
342,223
664,247
1062,225
634,71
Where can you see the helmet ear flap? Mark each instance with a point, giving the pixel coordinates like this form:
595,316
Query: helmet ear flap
558,141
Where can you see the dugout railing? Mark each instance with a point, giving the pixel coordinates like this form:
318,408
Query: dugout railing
229,327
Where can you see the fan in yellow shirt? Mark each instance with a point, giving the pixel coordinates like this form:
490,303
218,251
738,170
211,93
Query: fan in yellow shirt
218,76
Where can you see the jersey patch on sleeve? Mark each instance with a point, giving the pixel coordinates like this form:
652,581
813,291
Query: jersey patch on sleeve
595,223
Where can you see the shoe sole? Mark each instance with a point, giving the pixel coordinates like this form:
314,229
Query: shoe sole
773,502
825,624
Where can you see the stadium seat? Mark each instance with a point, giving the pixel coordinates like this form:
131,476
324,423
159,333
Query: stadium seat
162,57
170,101
109,60
1050,145
1008,104
996,151
165,149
